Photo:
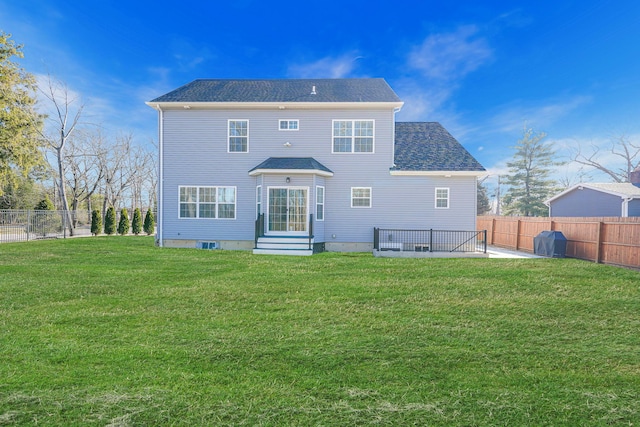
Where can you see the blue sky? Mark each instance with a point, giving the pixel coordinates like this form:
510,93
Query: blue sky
481,68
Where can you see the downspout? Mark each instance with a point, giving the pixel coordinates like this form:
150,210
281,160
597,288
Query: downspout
625,206
160,202
393,139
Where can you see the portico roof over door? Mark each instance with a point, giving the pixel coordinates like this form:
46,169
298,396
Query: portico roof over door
291,165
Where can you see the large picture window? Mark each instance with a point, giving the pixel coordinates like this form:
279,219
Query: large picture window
238,136
442,198
360,197
207,202
353,136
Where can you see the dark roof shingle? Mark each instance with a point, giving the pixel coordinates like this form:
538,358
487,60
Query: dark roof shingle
283,90
427,146
302,163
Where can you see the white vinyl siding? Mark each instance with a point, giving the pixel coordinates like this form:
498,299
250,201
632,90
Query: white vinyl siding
238,136
207,202
319,203
442,198
288,125
360,197
353,136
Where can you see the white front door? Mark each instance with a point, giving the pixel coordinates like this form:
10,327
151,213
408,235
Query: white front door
287,211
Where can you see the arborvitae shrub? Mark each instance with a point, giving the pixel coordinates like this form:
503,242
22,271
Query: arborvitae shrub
149,223
123,225
96,222
136,223
110,221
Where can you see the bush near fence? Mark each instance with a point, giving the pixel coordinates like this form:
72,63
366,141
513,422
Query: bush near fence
25,225
607,240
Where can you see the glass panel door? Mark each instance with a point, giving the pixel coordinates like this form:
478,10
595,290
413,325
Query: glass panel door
277,209
297,210
288,210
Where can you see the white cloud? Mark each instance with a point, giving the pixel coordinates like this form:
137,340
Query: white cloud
513,117
450,56
327,67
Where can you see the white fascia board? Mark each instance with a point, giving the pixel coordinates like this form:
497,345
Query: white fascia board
290,172
275,105
439,173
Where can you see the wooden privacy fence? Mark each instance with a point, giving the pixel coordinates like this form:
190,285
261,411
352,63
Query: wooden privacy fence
612,240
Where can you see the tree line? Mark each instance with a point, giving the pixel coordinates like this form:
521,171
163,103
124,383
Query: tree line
57,154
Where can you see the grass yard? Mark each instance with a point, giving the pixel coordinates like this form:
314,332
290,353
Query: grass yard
114,331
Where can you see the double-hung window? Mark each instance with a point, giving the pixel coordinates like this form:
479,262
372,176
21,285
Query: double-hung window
207,202
442,198
353,136
360,197
238,135
289,125
319,203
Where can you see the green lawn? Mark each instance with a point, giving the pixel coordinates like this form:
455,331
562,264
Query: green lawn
114,331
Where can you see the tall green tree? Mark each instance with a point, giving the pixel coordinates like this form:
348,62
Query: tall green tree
529,179
136,223
149,223
20,124
123,225
110,221
483,203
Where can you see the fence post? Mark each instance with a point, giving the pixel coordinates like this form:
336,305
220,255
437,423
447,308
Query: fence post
376,238
431,240
493,230
599,242
518,235
485,241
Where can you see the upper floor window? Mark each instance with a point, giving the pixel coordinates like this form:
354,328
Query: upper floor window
360,197
352,136
442,198
238,136
207,202
289,125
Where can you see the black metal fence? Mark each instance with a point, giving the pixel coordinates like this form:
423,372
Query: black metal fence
24,225
386,239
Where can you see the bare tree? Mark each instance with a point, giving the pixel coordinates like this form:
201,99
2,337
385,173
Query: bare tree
621,148
84,170
67,111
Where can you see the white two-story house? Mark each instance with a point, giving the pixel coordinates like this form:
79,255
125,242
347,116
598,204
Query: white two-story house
279,165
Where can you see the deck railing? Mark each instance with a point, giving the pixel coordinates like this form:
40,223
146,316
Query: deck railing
386,239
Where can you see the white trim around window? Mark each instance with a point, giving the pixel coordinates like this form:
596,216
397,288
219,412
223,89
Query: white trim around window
360,197
442,198
288,124
353,136
205,202
319,203
258,200
237,136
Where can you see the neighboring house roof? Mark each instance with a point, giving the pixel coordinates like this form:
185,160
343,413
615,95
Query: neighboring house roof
284,90
625,190
291,165
427,146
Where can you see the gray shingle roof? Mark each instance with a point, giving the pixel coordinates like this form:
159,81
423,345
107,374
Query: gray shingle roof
427,146
284,90
625,189
302,163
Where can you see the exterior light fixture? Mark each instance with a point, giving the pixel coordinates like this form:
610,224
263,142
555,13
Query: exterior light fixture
288,180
